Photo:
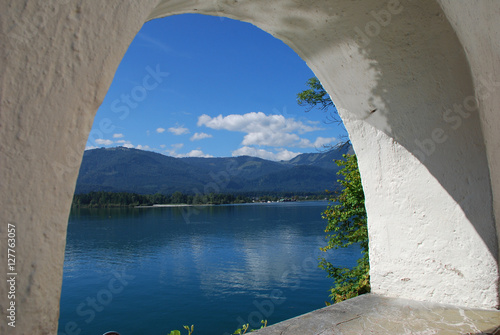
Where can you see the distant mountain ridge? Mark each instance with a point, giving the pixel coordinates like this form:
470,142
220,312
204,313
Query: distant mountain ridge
123,169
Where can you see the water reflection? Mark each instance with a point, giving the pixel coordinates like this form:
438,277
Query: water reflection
207,271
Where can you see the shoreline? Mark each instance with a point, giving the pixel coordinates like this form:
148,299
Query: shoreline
193,205
173,205
243,203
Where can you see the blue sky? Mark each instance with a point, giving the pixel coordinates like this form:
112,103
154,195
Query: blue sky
201,86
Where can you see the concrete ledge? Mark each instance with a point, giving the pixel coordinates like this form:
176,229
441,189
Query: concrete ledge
374,314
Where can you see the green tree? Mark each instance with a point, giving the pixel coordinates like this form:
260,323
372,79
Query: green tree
346,225
179,198
346,213
317,97
314,96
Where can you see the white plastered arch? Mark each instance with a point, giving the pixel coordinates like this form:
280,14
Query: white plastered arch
429,172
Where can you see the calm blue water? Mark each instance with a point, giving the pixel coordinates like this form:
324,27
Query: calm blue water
148,271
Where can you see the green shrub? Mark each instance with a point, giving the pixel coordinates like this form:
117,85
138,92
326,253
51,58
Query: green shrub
346,215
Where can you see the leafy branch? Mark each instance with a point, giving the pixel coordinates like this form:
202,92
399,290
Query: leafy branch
347,225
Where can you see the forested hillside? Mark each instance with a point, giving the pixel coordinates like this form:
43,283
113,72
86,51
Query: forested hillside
144,172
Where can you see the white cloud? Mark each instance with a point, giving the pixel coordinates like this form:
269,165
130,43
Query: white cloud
192,153
143,147
102,141
160,130
125,144
128,144
280,155
180,130
118,135
173,152
269,138
322,141
162,146
195,153
199,136
90,147
252,122
261,129
177,145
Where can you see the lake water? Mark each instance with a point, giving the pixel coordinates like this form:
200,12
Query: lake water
149,270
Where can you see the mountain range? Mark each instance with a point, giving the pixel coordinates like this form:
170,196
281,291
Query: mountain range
121,169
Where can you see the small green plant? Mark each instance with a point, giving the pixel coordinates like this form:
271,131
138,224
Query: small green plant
241,330
177,332
244,328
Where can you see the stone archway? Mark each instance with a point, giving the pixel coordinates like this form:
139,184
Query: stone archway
415,82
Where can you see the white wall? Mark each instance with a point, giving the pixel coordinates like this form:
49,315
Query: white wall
477,27
423,157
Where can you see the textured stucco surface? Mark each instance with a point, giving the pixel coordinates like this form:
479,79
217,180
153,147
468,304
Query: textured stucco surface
430,175
476,25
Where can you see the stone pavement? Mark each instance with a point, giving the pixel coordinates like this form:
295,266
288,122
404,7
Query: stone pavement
373,314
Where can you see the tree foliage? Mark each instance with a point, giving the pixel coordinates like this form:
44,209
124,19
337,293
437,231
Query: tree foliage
346,217
124,199
346,212
315,96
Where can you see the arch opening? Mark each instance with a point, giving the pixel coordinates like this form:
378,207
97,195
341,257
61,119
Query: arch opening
154,96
